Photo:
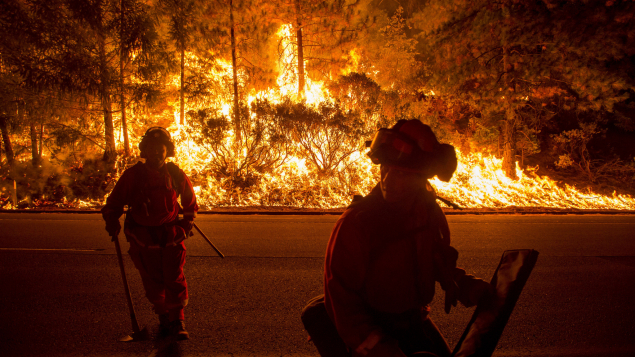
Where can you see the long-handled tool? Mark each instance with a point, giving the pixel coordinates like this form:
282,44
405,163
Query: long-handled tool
208,241
490,317
137,334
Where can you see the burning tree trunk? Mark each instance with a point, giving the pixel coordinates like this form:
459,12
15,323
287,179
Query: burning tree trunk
182,19
35,154
182,89
300,51
234,69
508,129
124,125
110,152
8,148
41,139
508,134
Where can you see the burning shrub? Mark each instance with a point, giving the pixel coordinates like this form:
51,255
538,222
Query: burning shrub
239,163
287,153
574,144
326,136
355,91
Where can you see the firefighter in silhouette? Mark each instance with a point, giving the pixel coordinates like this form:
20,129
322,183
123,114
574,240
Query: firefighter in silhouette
387,251
153,228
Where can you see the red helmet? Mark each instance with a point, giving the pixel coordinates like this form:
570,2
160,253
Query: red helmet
412,145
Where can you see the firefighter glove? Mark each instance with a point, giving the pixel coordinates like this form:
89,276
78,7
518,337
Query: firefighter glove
113,227
474,291
187,225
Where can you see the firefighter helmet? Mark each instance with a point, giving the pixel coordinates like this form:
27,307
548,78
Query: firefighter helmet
160,135
412,145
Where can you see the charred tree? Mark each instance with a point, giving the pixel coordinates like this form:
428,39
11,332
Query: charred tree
35,154
6,138
41,139
182,17
508,135
122,57
508,129
182,90
235,72
300,50
110,152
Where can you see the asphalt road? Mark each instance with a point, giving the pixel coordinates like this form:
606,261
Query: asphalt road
61,292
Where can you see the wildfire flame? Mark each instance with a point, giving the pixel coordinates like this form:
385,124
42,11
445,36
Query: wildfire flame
478,182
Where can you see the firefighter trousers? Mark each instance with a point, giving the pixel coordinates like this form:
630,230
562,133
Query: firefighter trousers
161,271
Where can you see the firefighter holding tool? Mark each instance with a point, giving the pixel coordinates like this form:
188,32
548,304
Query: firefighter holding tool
153,228
387,251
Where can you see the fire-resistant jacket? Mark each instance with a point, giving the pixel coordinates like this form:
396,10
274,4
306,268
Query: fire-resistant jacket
152,198
378,261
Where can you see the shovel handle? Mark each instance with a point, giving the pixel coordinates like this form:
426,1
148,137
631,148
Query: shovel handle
208,241
133,316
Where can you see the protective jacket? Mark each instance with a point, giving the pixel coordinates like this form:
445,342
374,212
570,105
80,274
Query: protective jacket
380,262
152,198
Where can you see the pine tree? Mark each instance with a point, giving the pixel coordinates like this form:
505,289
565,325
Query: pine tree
506,57
324,34
9,92
182,16
239,32
75,46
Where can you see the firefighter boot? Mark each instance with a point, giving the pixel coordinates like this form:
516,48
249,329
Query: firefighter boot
179,331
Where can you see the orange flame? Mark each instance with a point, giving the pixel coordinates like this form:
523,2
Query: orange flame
478,182
481,182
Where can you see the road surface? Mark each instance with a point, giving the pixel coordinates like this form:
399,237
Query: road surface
61,291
